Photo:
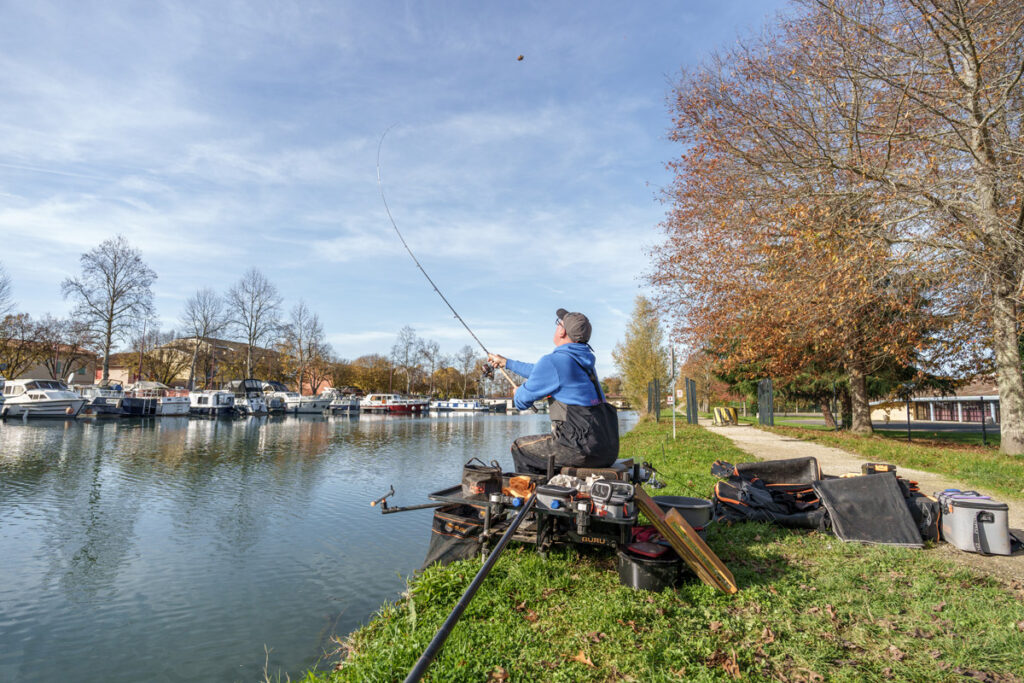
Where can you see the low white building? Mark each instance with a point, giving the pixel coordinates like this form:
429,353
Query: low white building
970,403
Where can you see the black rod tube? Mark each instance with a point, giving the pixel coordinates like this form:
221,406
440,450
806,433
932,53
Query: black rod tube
423,663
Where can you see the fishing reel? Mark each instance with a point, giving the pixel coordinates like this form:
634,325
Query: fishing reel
488,371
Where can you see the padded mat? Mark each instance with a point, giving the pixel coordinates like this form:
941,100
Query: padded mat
869,509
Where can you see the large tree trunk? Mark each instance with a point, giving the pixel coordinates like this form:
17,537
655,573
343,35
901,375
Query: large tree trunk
1008,374
861,410
826,412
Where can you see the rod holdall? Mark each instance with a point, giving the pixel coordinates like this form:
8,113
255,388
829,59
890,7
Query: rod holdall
479,481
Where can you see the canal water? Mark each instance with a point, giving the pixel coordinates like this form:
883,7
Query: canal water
180,549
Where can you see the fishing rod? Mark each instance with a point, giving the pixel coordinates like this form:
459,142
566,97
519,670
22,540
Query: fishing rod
380,185
423,663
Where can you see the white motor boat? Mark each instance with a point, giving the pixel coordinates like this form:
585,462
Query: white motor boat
459,405
39,398
155,398
392,404
212,403
101,401
249,399
294,402
340,404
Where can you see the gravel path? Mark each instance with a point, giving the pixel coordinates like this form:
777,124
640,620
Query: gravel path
770,446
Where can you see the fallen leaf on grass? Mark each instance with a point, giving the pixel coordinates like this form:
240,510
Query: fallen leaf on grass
918,633
715,626
727,663
521,606
1020,625
582,658
546,593
498,675
546,664
596,637
731,666
631,624
767,637
939,607
896,653
814,610
831,612
887,672
934,654
531,616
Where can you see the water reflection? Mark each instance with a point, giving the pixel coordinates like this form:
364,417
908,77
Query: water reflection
128,543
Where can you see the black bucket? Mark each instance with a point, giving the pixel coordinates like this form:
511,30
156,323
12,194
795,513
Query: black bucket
696,511
648,573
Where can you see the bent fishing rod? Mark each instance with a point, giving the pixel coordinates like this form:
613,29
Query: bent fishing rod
380,185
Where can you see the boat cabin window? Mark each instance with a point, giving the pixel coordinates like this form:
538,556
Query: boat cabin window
203,400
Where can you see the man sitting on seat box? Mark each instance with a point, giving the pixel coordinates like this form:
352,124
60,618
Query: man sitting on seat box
584,428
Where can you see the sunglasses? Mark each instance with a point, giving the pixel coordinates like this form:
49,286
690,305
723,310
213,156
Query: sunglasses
558,321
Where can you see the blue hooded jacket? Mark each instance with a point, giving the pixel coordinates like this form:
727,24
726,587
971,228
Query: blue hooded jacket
558,375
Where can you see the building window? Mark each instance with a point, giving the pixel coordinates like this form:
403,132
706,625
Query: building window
945,412
972,412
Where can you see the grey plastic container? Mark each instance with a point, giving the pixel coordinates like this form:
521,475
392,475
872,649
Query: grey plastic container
974,523
696,511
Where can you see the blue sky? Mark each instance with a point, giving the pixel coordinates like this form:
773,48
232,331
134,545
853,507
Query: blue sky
219,136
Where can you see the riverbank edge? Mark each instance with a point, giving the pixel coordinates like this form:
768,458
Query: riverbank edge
536,619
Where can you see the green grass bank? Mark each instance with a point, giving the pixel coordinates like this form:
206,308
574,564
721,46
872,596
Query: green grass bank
809,608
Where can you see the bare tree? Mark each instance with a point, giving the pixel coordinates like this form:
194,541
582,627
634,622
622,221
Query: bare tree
202,318
253,311
113,290
6,297
164,356
303,338
430,352
404,354
321,365
466,361
18,349
65,344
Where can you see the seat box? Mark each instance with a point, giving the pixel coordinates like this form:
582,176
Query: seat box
974,522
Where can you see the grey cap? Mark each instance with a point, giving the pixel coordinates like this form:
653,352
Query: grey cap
576,325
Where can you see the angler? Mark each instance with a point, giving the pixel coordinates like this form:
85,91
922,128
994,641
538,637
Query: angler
584,427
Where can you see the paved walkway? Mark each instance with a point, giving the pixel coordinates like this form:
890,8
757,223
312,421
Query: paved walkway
772,446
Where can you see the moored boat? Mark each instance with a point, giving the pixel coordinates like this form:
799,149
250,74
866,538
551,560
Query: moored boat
249,399
155,398
211,403
39,398
101,401
340,403
392,403
458,405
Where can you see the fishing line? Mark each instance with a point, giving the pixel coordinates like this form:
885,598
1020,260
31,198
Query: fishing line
380,185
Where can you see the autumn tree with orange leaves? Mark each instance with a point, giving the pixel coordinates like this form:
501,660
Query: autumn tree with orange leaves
850,192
